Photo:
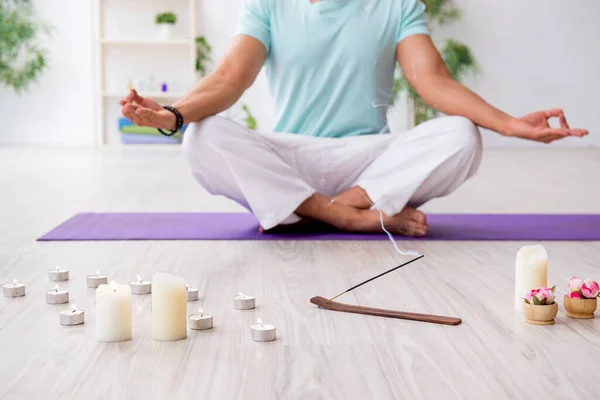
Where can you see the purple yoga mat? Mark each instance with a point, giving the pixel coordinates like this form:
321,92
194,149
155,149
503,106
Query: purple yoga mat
241,226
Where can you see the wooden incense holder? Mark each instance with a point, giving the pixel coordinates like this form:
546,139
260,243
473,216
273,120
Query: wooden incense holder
378,312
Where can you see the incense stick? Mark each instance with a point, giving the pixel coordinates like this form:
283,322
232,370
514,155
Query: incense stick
375,277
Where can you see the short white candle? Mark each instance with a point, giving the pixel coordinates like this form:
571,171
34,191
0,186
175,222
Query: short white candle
169,316
14,289
531,271
140,286
201,321
262,332
72,317
191,293
57,296
58,275
113,313
243,302
93,281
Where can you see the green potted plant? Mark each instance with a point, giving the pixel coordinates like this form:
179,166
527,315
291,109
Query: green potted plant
166,21
22,59
203,51
457,56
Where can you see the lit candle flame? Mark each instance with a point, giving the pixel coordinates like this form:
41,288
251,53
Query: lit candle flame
57,268
74,307
56,288
14,282
259,321
97,273
139,278
187,287
241,294
201,312
113,286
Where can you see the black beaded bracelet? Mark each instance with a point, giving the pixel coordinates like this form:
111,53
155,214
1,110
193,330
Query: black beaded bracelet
178,123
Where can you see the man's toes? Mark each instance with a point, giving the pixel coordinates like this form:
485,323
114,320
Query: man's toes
419,218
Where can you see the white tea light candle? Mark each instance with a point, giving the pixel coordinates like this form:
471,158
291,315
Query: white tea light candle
191,293
57,296
243,302
14,289
72,317
531,271
140,286
58,275
201,321
262,332
113,313
93,281
169,319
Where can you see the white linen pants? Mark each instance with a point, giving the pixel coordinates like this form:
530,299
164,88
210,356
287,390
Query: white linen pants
271,174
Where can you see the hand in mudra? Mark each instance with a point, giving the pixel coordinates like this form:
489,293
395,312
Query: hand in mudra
146,112
535,127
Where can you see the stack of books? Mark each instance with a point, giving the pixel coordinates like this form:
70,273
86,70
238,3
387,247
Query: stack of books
133,134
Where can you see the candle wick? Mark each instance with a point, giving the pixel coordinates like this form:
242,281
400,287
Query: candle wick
74,310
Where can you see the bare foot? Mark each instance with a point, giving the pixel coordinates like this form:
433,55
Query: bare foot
408,222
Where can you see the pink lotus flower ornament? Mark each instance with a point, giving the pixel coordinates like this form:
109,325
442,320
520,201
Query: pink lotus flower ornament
590,289
575,284
574,295
542,296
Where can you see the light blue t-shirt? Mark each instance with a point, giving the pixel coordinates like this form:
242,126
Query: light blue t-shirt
331,63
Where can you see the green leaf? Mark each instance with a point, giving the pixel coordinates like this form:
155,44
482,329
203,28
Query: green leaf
22,60
536,301
166,18
553,288
525,300
250,121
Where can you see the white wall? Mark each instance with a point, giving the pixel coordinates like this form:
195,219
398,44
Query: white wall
60,109
533,54
536,54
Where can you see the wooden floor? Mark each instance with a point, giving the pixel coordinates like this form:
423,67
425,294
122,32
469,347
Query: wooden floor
318,354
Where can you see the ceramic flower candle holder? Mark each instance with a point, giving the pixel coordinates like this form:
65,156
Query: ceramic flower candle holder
582,301
539,307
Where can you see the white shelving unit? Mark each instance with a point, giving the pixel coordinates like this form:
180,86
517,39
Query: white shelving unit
107,94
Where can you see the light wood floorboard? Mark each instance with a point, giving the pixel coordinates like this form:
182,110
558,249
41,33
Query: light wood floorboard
318,354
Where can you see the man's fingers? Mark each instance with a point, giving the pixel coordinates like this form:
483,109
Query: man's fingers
555,131
147,115
557,112
563,120
578,132
134,97
129,111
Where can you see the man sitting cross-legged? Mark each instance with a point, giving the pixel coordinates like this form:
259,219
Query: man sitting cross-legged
330,66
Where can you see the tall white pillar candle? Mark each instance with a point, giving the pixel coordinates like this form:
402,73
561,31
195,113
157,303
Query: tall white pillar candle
14,289
113,313
169,320
58,275
531,271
